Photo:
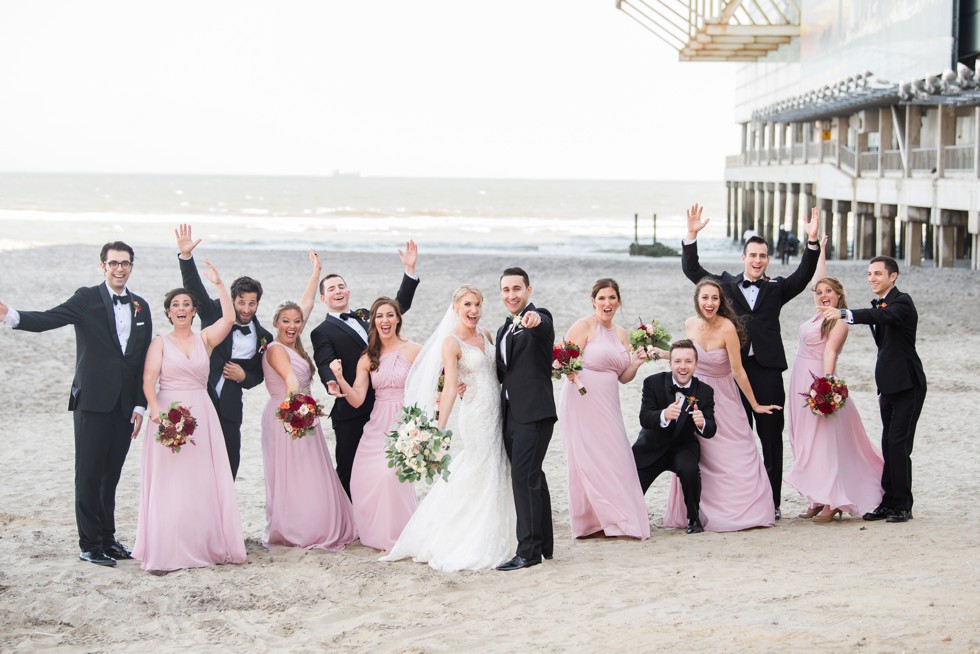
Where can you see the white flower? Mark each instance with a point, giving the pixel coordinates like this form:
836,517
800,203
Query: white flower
556,364
179,426
837,398
813,393
303,409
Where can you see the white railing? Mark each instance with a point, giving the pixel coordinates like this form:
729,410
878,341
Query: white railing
958,157
733,161
798,150
892,160
813,151
868,162
828,149
922,159
848,158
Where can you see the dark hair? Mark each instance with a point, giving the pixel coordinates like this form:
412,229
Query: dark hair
725,309
373,349
683,344
754,239
117,245
516,271
292,306
838,288
890,264
606,282
325,278
169,297
246,285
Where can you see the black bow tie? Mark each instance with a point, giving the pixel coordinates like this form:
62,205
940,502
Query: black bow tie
350,314
244,329
746,283
876,303
120,299
679,389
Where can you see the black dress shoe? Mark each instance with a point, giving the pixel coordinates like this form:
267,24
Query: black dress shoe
117,551
548,557
878,514
899,515
694,527
98,557
779,514
517,563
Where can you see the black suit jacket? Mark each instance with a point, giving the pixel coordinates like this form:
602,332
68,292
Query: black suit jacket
229,404
526,377
333,339
655,441
104,375
893,326
762,322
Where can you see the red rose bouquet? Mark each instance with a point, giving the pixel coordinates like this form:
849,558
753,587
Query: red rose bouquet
827,395
566,359
299,413
177,425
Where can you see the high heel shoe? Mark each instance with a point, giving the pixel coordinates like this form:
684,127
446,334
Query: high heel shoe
813,510
827,518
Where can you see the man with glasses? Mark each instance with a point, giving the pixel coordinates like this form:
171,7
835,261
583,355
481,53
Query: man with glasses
112,332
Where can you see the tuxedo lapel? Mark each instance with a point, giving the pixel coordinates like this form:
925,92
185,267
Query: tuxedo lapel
763,288
131,343
110,315
347,329
735,294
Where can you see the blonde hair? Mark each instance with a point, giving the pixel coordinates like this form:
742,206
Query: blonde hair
838,288
292,306
464,290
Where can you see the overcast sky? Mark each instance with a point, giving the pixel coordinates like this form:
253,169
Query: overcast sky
509,88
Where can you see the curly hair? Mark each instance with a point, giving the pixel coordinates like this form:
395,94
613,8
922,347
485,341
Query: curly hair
373,349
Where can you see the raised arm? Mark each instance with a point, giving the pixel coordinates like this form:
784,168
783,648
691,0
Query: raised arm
738,372
218,330
356,394
309,295
191,278
406,290
822,260
690,263
799,280
69,312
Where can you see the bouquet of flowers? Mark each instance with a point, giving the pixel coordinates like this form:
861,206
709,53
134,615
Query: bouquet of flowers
827,395
177,425
299,413
418,449
566,358
648,336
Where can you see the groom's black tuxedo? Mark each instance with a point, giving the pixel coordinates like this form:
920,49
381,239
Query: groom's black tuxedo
229,403
902,390
527,395
765,366
676,446
334,339
108,385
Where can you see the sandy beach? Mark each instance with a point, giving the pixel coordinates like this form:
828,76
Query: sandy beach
794,587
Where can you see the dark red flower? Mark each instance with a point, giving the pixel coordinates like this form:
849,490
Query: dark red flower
826,407
823,387
297,422
189,426
174,415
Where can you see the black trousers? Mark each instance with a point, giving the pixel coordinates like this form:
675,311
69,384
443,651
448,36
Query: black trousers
685,463
233,442
348,433
101,444
767,384
899,415
526,444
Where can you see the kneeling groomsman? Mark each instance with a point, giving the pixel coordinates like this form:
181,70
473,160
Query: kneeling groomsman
675,410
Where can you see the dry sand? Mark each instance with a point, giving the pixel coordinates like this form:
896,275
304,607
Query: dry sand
795,587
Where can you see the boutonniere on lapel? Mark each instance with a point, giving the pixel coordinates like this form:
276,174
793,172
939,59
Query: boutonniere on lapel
137,307
516,322
882,305
361,314
767,278
692,401
263,345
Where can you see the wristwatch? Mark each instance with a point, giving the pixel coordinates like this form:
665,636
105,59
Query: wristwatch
843,314
813,242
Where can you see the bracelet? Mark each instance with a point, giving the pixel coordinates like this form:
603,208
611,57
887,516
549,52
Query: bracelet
656,356
813,242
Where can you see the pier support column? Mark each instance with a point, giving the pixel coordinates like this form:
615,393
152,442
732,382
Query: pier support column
946,238
913,244
793,221
758,209
840,234
827,222
769,211
886,230
748,195
864,246
781,207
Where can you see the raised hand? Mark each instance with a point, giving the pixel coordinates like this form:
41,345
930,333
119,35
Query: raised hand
673,411
185,242
829,313
315,260
694,222
698,417
3,310
812,225
409,257
212,273
337,368
530,320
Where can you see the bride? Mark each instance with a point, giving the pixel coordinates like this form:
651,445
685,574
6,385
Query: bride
467,522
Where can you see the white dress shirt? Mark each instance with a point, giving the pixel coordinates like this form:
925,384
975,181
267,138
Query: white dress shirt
243,346
353,323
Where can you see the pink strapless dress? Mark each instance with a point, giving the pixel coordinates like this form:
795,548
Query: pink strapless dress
382,504
305,504
835,463
604,491
735,491
188,515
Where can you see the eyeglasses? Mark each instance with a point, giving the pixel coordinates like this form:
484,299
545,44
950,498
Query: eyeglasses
125,265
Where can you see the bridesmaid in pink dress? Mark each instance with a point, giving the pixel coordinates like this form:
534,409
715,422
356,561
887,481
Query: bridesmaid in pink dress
305,504
604,494
382,504
735,491
836,467
188,516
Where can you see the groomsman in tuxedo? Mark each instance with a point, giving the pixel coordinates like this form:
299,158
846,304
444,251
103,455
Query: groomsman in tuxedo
676,409
524,346
236,363
112,331
900,379
343,335
758,299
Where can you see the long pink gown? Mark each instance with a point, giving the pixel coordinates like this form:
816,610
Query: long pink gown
835,463
188,515
382,504
604,491
305,504
735,491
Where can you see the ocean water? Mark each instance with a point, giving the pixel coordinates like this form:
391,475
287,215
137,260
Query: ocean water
353,213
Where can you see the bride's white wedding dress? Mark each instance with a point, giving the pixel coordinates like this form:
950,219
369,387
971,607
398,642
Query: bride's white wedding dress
468,522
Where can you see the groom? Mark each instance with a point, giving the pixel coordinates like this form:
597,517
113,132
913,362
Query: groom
112,331
524,345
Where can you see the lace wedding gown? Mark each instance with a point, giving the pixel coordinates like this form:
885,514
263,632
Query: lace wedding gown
468,522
